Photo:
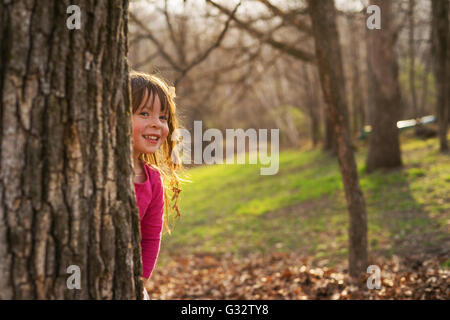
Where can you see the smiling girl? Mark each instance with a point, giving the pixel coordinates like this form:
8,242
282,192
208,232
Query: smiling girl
153,121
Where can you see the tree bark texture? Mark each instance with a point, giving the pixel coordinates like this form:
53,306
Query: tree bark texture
66,190
384,91
329,59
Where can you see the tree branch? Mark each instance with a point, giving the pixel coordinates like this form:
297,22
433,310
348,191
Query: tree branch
288,17
286,48
205,54
150,36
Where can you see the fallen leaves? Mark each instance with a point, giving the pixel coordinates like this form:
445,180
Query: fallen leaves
288,276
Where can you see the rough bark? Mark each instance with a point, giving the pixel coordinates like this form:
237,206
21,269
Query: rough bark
440,11
66,193
329,59
384,91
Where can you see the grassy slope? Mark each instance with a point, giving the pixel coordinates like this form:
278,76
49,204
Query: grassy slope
232,208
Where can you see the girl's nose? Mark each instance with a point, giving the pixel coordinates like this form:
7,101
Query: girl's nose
153,122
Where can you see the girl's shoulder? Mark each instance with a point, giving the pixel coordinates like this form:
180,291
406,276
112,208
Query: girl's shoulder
154,174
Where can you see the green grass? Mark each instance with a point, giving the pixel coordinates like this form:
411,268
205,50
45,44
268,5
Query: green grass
232,208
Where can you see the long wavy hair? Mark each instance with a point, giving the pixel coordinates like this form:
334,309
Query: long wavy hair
166,160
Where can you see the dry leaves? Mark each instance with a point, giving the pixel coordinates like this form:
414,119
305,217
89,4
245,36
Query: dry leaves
288,276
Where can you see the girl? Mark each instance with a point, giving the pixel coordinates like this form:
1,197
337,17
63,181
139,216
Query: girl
153,122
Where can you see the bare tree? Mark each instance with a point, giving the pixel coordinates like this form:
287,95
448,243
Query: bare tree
328,52
290,18
179,62
66,194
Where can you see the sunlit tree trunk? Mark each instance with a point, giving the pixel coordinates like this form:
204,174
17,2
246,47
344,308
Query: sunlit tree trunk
328,53
66,193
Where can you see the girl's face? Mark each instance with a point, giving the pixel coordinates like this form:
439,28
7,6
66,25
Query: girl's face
150,128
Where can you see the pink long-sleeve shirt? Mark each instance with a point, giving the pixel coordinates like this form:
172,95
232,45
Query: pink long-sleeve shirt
150,201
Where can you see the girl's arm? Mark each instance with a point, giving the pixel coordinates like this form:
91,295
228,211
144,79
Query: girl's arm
151,225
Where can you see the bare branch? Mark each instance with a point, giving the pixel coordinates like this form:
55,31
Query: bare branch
288,17
205,54
150,36
287,48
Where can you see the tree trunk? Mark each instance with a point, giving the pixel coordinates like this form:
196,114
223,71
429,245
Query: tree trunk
66,193
330,144
412,59
384,145
312,105
328,52
423,106
357,98
441,68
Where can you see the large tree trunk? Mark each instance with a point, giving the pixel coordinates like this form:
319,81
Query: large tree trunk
66,193
328,52
384,91
441,68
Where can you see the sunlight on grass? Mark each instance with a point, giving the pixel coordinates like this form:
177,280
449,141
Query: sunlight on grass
232,208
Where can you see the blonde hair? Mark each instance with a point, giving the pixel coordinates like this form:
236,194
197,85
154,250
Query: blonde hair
166,159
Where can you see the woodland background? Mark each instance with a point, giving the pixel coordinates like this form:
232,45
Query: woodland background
251,64
364,170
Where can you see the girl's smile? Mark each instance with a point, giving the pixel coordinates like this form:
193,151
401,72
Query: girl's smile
152,138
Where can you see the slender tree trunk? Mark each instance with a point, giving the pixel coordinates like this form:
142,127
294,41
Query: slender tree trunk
312,105
66,194
424,99
357,98
440,46
412,59
384,144
316,128
330,144
328,52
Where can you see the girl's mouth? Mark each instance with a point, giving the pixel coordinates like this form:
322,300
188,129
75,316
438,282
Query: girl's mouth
153,139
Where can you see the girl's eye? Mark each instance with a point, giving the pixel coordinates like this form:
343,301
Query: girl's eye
145,114
163,118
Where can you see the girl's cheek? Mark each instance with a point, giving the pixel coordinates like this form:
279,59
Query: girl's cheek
133,128
165,132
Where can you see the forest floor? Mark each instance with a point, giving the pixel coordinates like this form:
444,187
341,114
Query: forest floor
246,236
